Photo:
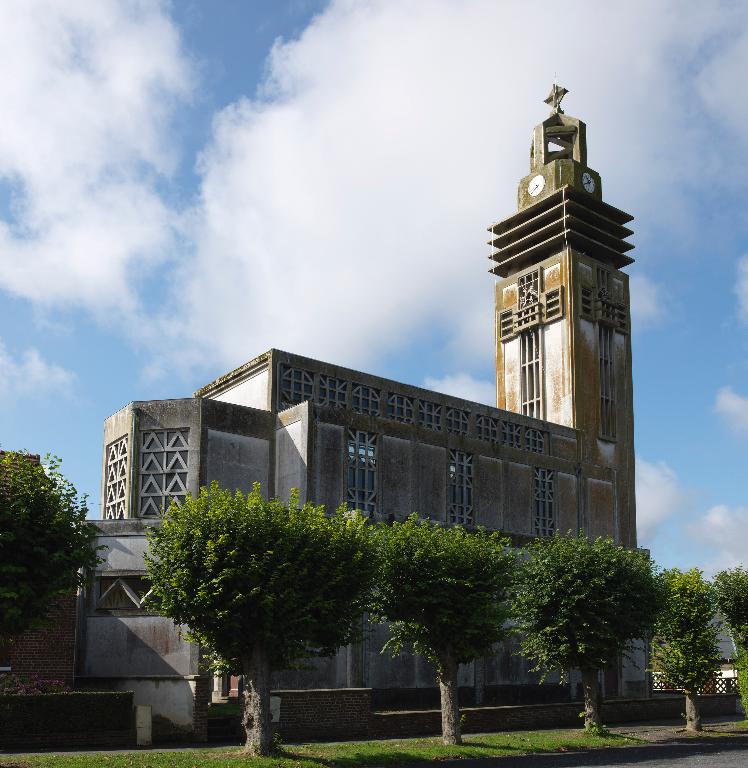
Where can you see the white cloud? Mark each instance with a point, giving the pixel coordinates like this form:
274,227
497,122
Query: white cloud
465,386
342,211
647,301
725,530
31,376
658,497
87,95
733,408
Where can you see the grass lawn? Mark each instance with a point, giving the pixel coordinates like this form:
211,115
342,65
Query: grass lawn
347,755
223,709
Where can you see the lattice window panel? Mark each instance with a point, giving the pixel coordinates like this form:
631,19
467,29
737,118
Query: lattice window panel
554,304
362,471
123,593
297,386
429,414
333,392
603,282
511,434
528,287
400,408
365,399
116,480
163,470
506,324
530,381
456,421
607,382
487,427
534,440
544,520
526,318
460,488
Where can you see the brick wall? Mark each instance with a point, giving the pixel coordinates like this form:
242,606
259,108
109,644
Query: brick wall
202,693
335,713
392,725
50,650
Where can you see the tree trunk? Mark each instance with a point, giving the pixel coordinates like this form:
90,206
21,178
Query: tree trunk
693,714
256,720
591,698
447,677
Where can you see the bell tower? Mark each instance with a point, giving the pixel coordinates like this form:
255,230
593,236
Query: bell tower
563,345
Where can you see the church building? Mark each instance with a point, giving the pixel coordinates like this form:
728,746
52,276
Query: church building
556,452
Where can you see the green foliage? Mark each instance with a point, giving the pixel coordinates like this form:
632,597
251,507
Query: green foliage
731,589
685,649
579,603
443,589
741,667
46,544
242,569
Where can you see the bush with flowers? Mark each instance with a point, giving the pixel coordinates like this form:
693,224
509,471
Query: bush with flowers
30,685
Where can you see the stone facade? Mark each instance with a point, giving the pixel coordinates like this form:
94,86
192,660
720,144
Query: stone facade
557,454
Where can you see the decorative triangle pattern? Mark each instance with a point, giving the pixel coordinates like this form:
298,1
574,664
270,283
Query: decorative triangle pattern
164,458
115,504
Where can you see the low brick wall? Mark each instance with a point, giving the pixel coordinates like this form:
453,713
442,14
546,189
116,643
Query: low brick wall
49,651
54,720
322,714
390,725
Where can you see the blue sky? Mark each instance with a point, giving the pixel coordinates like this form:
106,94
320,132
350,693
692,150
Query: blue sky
184,185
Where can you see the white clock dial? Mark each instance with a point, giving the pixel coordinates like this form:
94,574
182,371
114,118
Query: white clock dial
588,182
535,187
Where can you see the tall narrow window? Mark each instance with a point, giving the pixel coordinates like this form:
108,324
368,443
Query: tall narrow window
460,490
544,522
116,480
362,470
607,383
530,382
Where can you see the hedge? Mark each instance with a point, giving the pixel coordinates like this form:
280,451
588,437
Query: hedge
75,712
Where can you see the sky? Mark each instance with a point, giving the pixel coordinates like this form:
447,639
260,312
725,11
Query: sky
184,185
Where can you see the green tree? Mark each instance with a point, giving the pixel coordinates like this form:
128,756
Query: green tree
46,544
685,650
580,603
261,584
732,600
444,590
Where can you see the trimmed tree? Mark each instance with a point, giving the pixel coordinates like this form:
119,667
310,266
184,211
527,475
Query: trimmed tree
261,585
731,587
444,591
580,604
685,650
46,544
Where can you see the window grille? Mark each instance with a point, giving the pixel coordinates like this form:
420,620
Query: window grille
554,304
534,440
544,523
488,428
430,414
603,283
333,392
296,386
362,470
460,490
506,324
587,302
607,382
530,373
511,434
456,421
116,480
163,470
365,399
400,408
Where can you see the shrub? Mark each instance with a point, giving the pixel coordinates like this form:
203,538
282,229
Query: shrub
30,685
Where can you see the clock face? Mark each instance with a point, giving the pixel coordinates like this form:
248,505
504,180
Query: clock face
535,187
588,182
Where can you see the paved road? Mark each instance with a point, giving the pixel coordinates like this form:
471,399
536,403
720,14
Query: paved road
718,753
